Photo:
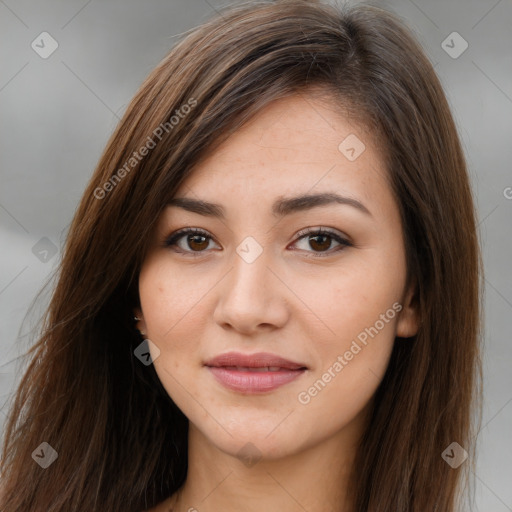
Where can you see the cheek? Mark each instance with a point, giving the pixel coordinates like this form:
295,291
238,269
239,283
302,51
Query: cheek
352,331
340,304
176,304
172,300
173,308
351,366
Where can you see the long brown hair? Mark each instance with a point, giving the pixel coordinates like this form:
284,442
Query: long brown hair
120,439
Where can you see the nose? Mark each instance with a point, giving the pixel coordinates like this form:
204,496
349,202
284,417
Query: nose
251,297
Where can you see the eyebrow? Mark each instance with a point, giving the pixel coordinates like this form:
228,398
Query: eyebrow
280,208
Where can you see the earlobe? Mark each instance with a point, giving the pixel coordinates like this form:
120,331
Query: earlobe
408,318
140,325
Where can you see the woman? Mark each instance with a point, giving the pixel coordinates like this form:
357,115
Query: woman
269,297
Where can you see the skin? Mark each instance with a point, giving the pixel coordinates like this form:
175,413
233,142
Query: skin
299,299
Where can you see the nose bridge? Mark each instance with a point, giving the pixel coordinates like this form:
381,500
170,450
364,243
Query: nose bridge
250,293
250,276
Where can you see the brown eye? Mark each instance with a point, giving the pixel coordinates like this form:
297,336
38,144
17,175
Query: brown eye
189,240
320,240
197,242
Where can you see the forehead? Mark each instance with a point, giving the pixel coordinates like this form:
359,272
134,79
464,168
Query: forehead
295,145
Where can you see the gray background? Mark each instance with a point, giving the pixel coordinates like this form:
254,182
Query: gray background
57,114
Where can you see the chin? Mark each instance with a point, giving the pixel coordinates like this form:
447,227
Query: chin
242,438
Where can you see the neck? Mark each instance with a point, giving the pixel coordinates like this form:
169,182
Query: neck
315,479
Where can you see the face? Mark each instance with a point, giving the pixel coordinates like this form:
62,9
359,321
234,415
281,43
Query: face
318,282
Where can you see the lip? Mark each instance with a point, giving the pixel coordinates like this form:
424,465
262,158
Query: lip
232,371
256,360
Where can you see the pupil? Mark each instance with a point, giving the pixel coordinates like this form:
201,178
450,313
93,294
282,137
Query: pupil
192,239
315,238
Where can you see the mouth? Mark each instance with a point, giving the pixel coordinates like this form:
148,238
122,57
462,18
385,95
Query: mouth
257,369
254,373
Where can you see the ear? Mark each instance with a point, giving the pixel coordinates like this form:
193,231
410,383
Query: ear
408,318
140,324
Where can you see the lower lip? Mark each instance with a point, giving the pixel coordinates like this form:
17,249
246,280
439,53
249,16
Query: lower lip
253,382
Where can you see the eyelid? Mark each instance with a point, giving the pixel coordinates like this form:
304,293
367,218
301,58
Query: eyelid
336,235
324,231
171,240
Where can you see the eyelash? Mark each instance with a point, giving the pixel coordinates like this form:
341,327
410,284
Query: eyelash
173,238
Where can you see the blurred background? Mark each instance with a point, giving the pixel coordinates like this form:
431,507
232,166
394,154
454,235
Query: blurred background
68,71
